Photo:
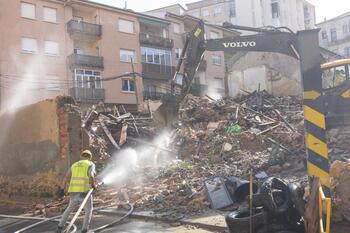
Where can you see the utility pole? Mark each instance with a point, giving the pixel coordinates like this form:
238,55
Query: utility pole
134,79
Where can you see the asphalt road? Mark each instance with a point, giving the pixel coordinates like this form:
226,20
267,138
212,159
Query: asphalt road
132,226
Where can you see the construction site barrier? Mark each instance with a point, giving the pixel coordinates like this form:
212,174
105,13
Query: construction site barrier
323,200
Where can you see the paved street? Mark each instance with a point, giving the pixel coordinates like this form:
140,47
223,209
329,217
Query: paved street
11,225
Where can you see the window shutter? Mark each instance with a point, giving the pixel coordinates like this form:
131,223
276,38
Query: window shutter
50,15
27,10
29,45
126,26
51,47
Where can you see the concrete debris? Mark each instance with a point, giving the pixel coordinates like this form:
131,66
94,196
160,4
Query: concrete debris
222,138
340,184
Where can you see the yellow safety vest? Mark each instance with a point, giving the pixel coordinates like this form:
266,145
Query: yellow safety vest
79,182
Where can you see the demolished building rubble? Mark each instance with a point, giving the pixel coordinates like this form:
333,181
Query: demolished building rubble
223,138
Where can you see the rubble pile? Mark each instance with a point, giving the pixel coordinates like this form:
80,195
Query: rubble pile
340,188
108,130
257,130
223,138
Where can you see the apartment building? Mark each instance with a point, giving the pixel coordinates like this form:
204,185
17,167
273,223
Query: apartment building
75,47
210,76
335,34
56,47
294,14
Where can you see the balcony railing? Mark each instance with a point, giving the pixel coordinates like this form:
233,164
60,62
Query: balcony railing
155,71
147,39
80,60
339,41
87,95
84,31
153,95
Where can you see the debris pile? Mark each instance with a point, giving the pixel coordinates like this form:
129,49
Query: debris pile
223,138
340,187
214,138
258,130
108,129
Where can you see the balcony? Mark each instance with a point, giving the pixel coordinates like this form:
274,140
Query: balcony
81,61
87,95
339,41
83,31
146,39
154,71
152,95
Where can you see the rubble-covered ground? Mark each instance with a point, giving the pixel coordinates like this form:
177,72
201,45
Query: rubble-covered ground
226,137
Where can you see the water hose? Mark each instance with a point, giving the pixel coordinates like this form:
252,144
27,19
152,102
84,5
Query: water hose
131,209
36,224
35,218
71,224
78,212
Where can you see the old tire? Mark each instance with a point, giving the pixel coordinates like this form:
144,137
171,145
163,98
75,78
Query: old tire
238,221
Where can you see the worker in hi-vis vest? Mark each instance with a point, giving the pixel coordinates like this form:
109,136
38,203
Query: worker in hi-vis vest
82,178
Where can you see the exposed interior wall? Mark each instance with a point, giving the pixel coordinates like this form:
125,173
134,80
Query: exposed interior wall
42,138
276,73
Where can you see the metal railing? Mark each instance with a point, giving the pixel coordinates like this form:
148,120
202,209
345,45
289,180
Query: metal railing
80,27
322,199
148,39
88,95
80,60
153,95
155,71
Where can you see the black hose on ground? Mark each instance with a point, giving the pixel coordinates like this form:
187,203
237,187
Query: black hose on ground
54,219
131,209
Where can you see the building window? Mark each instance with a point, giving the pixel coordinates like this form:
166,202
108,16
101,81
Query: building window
217,83
156,56
205,13
345,30
195,13
53,83
333,35
217,10
27,10
177,28
214,35
216,59
324,35
275,10
127,55
178,52
347,51
87,79
233,9
51,48
50,15
306,12
128,85
29,45
126,26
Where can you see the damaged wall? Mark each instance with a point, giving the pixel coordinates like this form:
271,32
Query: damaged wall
278,74
38,138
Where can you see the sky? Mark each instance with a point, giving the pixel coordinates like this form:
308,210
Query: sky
324,8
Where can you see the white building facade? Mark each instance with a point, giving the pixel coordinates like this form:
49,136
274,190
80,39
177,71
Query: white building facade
335,34
294,14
